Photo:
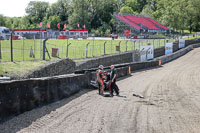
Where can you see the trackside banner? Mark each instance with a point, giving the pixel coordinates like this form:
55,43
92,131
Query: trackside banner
181,43
168,48
146,53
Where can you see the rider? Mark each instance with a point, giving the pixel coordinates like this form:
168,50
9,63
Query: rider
100,77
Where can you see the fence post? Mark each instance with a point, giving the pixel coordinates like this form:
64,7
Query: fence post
139,44
126,46
164,42
159,42
105,48
111,45
44,48
87,50
93,35
153,43
0,48
11,47
131,44
67,53
40,44
34,48
119,46
134,45
23,49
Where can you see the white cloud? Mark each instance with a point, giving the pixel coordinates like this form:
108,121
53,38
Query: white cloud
16,8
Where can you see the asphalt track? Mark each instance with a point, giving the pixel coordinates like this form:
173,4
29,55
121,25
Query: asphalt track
171,104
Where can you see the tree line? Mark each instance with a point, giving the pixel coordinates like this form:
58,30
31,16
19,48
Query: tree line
97,15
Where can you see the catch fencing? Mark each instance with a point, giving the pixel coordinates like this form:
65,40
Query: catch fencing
77,49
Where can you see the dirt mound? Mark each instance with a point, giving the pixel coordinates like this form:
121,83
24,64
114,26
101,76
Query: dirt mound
54,68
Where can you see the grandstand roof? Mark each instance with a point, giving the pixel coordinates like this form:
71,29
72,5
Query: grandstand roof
142,24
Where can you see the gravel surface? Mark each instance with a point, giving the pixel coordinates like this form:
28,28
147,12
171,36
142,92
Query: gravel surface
171,104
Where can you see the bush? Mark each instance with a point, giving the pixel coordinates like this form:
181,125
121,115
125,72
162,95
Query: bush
107,32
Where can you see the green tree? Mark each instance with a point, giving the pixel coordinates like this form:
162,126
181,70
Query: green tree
36,11
54,20
8,22
81,14
147,11
127,9
62,9
102,12
136,5
2,20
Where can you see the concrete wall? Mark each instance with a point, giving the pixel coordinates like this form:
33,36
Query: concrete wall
105,60
159,52
177,54
17,97
54,68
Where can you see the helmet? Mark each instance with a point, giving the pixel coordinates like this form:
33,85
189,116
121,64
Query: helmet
101,67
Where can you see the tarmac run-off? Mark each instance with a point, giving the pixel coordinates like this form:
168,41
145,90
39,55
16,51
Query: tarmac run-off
171,104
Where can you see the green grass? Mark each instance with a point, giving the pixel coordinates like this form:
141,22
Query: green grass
19,69
191,37
77,49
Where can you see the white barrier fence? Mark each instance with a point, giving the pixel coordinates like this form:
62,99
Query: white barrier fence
146,52
168,48
181,43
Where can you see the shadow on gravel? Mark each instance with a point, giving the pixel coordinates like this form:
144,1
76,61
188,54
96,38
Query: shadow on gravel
147,69
122,96
125,77
22,121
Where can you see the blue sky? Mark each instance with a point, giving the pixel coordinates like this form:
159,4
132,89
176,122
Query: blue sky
16,8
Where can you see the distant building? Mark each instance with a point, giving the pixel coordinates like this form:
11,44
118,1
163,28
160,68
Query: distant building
44,33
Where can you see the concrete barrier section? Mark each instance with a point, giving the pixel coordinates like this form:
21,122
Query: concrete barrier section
105,60
17,97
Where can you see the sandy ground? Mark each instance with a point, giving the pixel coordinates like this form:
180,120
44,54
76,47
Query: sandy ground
171,104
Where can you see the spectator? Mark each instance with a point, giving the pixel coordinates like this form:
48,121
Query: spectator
113,76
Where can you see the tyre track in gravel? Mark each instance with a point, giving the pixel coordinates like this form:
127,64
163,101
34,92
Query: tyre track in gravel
171,105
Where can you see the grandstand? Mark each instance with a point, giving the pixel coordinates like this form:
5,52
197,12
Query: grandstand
140,24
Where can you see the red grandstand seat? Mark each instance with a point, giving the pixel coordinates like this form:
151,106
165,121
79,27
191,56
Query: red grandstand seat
139,22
